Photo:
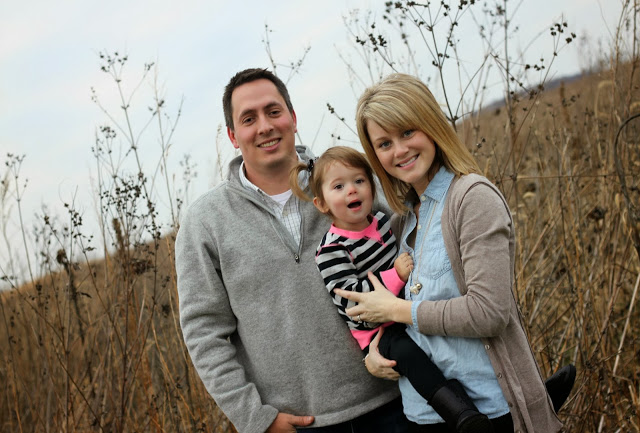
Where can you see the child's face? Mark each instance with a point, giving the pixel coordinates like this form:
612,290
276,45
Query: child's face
347,196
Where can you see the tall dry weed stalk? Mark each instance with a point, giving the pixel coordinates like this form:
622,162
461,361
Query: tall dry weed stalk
95,345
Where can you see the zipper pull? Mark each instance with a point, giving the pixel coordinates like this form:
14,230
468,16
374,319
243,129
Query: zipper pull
296,258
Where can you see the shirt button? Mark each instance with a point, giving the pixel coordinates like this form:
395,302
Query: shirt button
423,197
510,404
499,375
487,347
419,226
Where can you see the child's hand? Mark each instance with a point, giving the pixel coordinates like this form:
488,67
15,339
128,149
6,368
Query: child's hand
403,266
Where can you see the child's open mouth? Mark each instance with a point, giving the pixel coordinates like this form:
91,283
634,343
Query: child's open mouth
354,204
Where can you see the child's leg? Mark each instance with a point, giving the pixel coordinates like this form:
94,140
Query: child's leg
447,397
411,361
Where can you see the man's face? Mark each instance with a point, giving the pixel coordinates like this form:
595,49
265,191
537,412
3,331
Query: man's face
264,129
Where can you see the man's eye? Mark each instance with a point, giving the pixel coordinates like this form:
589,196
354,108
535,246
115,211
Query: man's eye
247,120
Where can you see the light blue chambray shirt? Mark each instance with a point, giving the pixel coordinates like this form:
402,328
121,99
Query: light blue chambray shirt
459,358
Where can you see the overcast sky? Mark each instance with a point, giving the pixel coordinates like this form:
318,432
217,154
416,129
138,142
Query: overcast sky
49,63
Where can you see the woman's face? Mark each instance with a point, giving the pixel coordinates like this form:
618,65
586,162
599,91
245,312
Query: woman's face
406,155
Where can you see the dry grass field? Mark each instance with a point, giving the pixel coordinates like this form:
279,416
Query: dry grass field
575,202
96,345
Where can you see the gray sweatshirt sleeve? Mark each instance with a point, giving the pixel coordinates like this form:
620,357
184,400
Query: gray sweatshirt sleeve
483,225
207,323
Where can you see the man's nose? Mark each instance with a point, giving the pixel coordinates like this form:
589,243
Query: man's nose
264,125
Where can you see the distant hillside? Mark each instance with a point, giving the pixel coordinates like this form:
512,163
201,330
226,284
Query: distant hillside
548,86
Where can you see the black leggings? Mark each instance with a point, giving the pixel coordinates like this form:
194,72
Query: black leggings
411,361
502,424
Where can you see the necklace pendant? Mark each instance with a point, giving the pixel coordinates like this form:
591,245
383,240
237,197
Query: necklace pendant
415,289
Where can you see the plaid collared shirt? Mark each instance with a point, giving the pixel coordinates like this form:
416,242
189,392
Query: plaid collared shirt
288,213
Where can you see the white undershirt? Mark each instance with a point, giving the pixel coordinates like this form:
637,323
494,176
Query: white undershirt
282,198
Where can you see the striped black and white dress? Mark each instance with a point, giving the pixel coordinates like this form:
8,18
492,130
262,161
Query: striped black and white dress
344,257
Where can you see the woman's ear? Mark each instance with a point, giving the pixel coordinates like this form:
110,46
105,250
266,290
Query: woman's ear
320,205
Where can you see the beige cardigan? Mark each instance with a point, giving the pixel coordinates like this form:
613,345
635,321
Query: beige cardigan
480,241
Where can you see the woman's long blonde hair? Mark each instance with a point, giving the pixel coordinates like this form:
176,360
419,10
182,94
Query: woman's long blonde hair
403,102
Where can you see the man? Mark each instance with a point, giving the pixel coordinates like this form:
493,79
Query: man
259,324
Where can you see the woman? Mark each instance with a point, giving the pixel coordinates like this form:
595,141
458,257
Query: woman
457,226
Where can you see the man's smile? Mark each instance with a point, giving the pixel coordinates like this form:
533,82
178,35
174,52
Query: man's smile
269,143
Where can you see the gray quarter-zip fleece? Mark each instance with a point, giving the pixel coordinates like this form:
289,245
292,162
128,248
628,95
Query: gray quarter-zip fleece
259,325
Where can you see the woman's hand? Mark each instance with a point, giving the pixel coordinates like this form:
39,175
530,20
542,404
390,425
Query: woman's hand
378,306
378,365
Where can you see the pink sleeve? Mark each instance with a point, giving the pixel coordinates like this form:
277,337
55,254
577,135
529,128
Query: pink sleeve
364,337
392,281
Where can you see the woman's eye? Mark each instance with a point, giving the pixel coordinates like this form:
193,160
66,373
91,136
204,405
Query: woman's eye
408,133
384,144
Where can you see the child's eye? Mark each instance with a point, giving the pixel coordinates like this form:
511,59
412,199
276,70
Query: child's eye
359,181
337,186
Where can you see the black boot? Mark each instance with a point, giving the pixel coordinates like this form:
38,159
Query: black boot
453,404
559,385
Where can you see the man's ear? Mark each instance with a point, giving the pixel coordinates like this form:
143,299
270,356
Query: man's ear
295,121
232,137
320,205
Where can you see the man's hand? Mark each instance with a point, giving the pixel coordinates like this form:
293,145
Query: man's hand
287,423
378,365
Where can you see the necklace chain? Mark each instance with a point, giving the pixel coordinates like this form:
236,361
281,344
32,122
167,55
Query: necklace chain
415,288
